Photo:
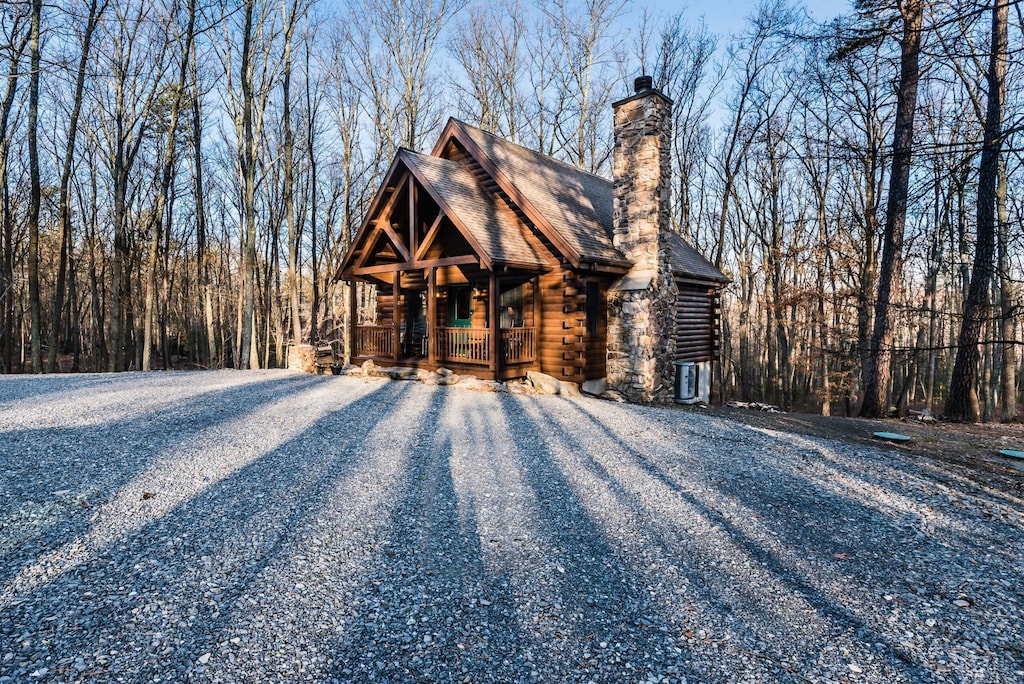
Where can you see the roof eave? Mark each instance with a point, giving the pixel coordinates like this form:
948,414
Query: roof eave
701,280
364,227
486,259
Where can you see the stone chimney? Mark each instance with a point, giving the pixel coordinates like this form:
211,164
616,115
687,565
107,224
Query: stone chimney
641,305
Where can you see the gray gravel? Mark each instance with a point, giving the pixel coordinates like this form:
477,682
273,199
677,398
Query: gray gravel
268,526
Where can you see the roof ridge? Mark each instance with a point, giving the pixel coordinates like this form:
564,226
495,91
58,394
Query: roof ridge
567,165
424,156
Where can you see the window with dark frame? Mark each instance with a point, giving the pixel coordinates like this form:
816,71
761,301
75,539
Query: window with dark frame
511,307
593,306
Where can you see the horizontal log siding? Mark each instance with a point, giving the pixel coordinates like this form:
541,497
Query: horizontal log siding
563,343
385,305
696,323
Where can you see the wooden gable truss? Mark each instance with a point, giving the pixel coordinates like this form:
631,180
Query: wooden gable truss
400,236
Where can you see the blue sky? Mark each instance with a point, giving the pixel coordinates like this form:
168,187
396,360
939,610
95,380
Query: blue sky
727,16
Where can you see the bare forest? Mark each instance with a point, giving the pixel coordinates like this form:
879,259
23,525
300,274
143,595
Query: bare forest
179,179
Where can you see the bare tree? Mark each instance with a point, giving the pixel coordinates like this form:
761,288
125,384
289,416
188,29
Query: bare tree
586,33
175,101
764,46
247,93
962,402
489,46
35,191
878,362
95,13
398,74
290,16
135,58
15,19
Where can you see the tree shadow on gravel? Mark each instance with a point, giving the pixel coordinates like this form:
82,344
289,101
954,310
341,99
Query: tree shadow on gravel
157,598
451,597
899,470
418,615
54,478
609,603
919,511
812,521
892,517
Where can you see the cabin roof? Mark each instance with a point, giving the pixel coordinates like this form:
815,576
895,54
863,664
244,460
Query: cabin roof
510,191
478,211
577,204
688,263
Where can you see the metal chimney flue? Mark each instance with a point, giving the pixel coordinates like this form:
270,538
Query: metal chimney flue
643,83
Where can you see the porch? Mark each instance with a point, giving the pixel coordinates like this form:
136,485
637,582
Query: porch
470,349
455,275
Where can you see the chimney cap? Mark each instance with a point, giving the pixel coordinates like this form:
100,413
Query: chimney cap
643,87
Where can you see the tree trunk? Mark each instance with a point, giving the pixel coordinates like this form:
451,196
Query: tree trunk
1008,327
962,403
166,177
35,193
209,352
7,289
289,182
64,207
149,304
879,359
247,165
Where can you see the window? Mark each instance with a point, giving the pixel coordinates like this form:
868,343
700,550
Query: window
593,306
511,306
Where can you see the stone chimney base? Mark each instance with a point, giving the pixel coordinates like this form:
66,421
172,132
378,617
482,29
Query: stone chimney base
641,347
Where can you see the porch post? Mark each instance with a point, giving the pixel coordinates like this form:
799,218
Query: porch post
396,314
353,321
493,298
413,243
538,320
432,315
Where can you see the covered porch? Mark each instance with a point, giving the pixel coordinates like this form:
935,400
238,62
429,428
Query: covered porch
459,326
456,276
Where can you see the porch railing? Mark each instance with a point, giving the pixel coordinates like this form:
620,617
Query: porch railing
453,345
463,345
517,345
375,340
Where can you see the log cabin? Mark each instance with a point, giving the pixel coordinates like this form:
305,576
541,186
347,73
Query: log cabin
494,260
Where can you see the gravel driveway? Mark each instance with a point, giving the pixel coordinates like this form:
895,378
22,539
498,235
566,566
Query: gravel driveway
268,526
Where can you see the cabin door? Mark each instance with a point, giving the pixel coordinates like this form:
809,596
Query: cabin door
460,311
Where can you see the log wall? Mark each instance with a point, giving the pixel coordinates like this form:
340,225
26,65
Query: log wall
697,311
567,350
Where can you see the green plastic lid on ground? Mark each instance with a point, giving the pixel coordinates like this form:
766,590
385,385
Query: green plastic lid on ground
1012,453
892,437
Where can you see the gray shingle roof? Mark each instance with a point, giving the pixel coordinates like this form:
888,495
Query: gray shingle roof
577,204
493,226
687,262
